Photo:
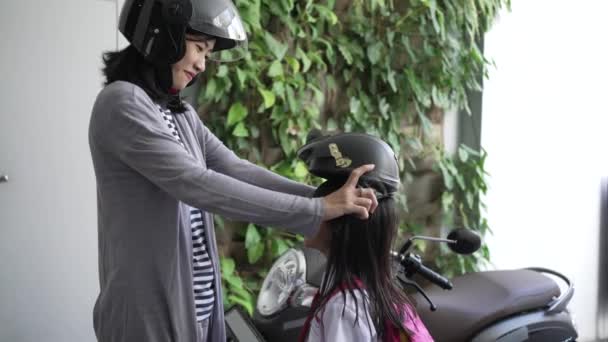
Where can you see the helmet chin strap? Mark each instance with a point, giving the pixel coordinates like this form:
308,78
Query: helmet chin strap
164,77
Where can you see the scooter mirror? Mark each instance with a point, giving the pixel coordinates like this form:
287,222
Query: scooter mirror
465,241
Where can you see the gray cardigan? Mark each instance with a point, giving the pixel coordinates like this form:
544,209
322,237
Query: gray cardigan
144,177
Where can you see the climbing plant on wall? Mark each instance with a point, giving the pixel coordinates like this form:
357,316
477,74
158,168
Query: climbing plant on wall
375,66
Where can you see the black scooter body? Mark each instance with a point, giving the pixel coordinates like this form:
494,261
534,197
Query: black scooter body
522,305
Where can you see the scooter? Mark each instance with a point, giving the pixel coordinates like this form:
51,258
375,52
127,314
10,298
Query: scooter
506,306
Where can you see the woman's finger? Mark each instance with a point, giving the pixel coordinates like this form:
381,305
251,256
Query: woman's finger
363,202
360,212
371,195
354,176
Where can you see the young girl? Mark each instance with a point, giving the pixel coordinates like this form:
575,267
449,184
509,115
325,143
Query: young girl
358,300
161,174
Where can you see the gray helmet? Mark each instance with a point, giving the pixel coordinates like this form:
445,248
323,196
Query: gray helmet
334,157
157,28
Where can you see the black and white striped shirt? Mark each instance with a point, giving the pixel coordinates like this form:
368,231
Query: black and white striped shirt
204,292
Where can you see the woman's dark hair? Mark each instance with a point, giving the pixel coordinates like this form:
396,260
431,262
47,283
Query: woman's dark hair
360,250
130,65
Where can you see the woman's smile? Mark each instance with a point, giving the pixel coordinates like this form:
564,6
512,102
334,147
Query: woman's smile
189,74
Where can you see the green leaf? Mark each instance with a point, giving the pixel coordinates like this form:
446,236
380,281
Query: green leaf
245,304
295,65
253,244
447,199
469,150
485,252
313,112
277,48
269,98
426,124
304,58
278,88
241,292
470,199
240,130
252,236
210,89
384,108
319,96
354,105
242,77
374,52
390,77
287,5
300,170
394,142
291,100
279,246
328,14
316,57
463,154
251,14
227,266
222,71
460,180
234,280
236,114
275,70
331,124
447,178
348,57
390,38
255,253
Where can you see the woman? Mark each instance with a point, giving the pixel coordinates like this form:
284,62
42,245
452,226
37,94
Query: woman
358,300
161,173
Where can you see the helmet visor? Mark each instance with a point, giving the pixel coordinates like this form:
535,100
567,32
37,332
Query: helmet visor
238,50
220,19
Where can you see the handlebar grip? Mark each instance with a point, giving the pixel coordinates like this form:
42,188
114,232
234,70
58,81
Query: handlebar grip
434,277
412,264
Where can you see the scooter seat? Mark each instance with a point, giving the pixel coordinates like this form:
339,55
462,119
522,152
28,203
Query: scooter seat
480,299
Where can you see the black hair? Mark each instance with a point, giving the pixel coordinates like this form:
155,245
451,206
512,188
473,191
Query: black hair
130,65
360,250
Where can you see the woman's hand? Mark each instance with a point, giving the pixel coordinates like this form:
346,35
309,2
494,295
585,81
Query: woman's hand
349,199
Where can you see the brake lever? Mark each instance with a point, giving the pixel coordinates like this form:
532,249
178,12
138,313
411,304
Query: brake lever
407,282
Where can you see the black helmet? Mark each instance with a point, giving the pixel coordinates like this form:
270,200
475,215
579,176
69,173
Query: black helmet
334,157
157,28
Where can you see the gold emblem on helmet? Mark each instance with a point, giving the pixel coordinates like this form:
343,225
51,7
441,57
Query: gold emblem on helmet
341,161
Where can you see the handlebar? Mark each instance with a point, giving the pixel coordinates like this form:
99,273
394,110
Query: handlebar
412,264
434,277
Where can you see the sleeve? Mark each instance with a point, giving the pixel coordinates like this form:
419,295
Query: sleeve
131,130
337,326
221,159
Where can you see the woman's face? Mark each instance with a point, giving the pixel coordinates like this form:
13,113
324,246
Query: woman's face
193,62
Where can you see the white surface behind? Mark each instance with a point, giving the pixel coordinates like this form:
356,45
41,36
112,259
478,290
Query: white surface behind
544,124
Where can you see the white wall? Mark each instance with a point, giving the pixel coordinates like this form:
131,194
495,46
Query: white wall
545,117
50,60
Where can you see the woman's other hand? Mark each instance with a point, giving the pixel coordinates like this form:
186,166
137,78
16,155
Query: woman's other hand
349,199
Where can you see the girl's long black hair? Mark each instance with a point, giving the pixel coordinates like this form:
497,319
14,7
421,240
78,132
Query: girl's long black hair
360,249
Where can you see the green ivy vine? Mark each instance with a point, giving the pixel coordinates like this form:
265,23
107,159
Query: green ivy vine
374,66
